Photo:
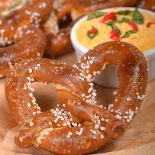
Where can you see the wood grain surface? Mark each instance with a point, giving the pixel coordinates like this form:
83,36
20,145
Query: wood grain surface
139,138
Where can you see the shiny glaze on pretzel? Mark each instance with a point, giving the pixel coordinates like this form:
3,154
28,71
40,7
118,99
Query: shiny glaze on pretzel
30,43
34,12
62,8
42,13
77,125
58,38
59,43
58,28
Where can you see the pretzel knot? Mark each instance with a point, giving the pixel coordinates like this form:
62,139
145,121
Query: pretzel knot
77,125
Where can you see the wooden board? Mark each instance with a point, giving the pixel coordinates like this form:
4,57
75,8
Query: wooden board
138,138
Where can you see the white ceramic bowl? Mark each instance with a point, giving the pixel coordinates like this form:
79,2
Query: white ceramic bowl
108,77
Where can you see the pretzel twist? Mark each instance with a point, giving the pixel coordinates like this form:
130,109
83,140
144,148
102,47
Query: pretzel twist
77,125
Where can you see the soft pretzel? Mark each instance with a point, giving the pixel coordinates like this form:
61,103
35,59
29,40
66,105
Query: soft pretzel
35,13
81,7
30,43
42,13
77,125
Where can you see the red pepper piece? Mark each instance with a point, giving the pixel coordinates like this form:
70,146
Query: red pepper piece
109,17
149,24
92,33
133,25
115,35
93,30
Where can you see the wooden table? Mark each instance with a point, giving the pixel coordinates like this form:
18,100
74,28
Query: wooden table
139,138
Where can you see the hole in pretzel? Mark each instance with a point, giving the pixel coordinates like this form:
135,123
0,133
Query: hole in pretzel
108,77
46,95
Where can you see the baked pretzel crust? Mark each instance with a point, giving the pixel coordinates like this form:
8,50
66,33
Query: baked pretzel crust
77,125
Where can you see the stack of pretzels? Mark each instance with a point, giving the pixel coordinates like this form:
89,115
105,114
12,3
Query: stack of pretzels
77,125
51,18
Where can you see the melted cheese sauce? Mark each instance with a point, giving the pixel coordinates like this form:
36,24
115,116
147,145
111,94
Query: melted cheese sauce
144,39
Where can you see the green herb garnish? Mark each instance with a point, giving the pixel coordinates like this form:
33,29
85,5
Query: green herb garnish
123,12
128,33
92,36
124,20
137,17
92,33
112,24
94,15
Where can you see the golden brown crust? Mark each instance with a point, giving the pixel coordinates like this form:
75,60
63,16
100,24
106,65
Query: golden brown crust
77,125
31,13
62,8
30,42
42,13
58,28
18,39
9,5
59,43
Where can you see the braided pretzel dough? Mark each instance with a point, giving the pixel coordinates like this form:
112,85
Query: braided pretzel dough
77,125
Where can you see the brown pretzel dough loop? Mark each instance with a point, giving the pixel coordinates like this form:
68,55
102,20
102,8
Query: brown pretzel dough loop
132,73
62,8
81,7
58,28
34,70
37,124
58,42
29,43
77,125
38,12
34,12
11,5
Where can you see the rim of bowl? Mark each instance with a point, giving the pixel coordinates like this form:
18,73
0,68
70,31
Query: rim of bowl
83,49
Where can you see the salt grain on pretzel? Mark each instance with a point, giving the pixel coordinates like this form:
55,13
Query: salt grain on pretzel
41,14
76,126
30,13
30,42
